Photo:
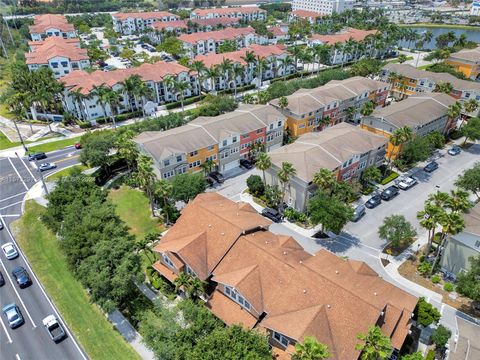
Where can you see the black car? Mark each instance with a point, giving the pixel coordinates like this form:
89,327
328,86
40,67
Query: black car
272,214
431,167
373,202
210,181
37,156
389,193
247,164
2,280
217,177
22,277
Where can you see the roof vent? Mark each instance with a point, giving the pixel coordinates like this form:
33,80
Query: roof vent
301,262
304,291
223,233
336,272
284,253
209,225
237,213
328,306
375,293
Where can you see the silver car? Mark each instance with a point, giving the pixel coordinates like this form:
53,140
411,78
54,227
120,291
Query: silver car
46,166
13,315
407,183
10,251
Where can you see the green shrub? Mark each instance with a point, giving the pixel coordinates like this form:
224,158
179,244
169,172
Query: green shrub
295,216
455,134
187,101
392,176
448,287
368,190
426,313
424,268
440,336
255,185
436,279
430,355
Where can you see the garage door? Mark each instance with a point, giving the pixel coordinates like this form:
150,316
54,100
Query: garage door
230,165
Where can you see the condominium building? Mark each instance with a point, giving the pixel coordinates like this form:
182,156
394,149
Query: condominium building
224,139
344,149
475,10
267,282
129,23
311,16
79,95
51,25
467,61
337,101
61,55
209,42
244,13
323,7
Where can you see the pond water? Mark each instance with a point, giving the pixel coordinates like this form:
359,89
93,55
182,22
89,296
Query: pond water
472,35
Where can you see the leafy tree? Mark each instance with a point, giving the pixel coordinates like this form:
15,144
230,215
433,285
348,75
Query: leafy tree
146,178
263,163
440,336
367,108
255,185
471,130
375,346
414,356
417,149
467,282
365,67
470,180
187,186
396,229
162,190
332,213
283,102
372,173
311,349
426,313
227,46
436,139
325,180
273,195
172,46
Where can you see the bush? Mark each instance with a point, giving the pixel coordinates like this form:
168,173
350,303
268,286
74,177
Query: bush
392,176
425,313
430,355
435,279
455,134
448,287
424,268
255,185
295,216
440,336
186,102
85,124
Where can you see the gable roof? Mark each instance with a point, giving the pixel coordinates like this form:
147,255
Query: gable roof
176,24
223,21
143,15
227,11
42,23
55,46
217,35
470,55
306,14
343,36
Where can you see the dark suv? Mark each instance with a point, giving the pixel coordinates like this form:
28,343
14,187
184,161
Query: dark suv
389,193
37,156
217,177
272,214
21,276
247,164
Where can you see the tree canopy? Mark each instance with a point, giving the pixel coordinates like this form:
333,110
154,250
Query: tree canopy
396,229
187,186
329,211
467,282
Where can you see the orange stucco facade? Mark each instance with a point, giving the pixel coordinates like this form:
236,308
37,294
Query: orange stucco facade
469,70
201,155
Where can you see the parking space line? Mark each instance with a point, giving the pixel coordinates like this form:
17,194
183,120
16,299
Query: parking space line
18,174
6,332
17,357
28,169
18,202
11,197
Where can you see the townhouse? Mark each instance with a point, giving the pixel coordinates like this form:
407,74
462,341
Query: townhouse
209,42
466,61
79,96
337,101
223,139
407,80
245,14
61,55
129,23
272,54
267,282
344,149
422,113
47,25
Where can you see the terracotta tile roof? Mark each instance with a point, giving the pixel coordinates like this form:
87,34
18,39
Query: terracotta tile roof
143,15
343,36
306,14
218,35
227,11
165,271
148,72
33,44
277,31
263,51
42,23
230,312
224,21
55,46
177,24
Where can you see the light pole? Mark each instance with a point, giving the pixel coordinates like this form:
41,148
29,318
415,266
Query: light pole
41,177
20,135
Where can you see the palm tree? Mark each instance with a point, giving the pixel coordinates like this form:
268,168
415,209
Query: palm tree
284,175
200,68
78,98
454,110
367,108
469,106
183,280
285,63
236,71
263,162
311,349
325,180
130,85
163,190
207,166
261,66
144,92
196,288
146,178
225,68
399,137
444,87
350,112
376,346
296,52
126,148
283,102
213,73
249,59
392,77
180,87
458,201
99,93
429,220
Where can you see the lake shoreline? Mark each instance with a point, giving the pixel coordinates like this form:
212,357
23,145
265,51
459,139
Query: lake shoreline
445,26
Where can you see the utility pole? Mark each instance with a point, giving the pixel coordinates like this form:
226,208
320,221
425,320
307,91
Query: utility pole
41,177
20,135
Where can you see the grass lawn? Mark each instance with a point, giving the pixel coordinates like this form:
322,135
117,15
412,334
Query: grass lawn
424,67
394,61
66,172
54,145
445,26
95,334
5,143
134,209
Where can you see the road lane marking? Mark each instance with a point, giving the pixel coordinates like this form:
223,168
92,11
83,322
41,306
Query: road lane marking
17,357
28,169
6,332
11,215
21,179
70,158
18,202
11,197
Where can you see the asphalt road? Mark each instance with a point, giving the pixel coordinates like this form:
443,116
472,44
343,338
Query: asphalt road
31,340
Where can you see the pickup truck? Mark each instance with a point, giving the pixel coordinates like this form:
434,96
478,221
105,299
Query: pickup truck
54,328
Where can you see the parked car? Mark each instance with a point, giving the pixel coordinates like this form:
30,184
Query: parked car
431,167
389,193
454,150
78,146
2,280
9,251
22,277
1,225
247,164
407,183
210,181
13,315
218,177
358,213
54,328
272,214
373,202
37,156
46,166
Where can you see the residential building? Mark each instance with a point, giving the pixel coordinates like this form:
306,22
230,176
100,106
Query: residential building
244,13
323,7
209,42
420,81
344,149
61,55
129,23
460,247
272,54
47,25
311,16
422,113
269,283
161,28
224,139
475,10
337,101
212,23
79,96
467,61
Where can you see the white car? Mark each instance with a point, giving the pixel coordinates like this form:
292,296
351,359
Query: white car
407,183
10,251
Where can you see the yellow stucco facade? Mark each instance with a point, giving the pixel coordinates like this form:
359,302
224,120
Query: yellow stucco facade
469,70
300,127
392,151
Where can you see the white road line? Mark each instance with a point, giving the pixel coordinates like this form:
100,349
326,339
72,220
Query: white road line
6,332
18,202
14,168
10,197
16,292
28,169
44,293
17,357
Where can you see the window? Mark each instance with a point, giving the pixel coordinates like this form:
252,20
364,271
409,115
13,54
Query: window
64,63
168,174
224,143
179,158
245,136
271,126
279,123
234,139
211,147
182,170
55,65
189,270
213,157
194,153
280,338
235,296
259,131
166,162
301,126
194,164
168,261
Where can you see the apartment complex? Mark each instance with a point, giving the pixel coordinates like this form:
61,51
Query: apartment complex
344,149
272,54
422,113
223,139
323,7
80,99
209,42
268,282
415,81
51,25
247,13
339,100
61,55
311,16
129,23
466,61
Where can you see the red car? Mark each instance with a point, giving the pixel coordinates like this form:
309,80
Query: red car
78,146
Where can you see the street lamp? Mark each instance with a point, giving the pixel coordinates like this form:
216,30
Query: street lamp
20,135
41,177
